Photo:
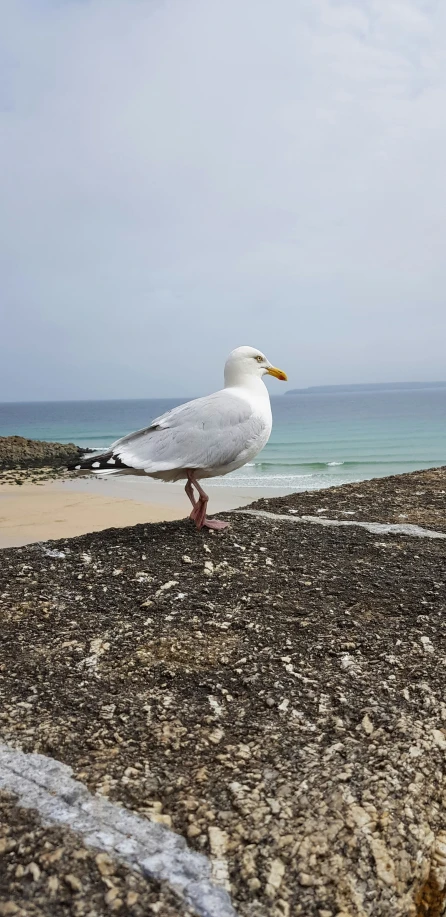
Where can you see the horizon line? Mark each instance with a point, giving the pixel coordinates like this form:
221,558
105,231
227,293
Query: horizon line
336,385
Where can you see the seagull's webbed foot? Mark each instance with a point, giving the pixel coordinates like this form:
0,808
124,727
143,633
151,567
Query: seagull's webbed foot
216,524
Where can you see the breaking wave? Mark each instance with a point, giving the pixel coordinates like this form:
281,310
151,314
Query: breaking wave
354,463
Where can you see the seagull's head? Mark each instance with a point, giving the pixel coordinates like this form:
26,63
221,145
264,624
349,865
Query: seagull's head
247,361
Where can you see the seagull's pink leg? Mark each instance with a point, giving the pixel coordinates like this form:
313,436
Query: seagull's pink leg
196,508
198,513
197,505
190,492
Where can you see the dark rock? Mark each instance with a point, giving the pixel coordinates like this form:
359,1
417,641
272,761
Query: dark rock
17,452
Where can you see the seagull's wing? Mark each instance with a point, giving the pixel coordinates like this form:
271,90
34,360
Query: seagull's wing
209,432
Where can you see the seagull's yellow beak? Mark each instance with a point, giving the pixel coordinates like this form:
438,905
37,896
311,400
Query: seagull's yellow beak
278,373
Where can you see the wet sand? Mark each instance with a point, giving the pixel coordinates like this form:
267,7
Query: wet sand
64,509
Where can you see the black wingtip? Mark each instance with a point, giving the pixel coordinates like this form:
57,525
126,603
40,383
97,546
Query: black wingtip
105,462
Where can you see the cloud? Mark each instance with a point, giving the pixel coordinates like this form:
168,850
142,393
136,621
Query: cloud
180,178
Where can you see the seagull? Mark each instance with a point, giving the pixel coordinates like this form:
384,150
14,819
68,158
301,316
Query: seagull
204,438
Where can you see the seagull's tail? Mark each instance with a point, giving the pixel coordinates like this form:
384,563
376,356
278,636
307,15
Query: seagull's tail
107,463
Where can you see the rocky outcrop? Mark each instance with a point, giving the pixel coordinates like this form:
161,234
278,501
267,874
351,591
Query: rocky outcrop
274,694
16,452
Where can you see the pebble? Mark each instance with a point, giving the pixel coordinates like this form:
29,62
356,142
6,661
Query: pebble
275,876
74,883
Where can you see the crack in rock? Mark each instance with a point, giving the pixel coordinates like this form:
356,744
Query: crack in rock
46,785
376,528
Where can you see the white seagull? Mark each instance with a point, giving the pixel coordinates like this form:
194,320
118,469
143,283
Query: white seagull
204,438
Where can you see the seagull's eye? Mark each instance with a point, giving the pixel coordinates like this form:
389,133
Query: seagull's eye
259,358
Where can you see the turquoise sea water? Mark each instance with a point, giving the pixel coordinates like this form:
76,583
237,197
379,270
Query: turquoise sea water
318,439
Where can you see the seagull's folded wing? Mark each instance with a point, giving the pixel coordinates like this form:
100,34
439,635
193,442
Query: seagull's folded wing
210,432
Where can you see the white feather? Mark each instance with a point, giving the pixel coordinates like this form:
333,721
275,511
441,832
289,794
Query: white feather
212,435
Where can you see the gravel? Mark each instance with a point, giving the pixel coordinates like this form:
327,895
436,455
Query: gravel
49,871
274,693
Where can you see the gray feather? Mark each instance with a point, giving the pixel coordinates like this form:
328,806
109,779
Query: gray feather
206,433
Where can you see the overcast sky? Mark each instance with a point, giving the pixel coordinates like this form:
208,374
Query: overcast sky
179,177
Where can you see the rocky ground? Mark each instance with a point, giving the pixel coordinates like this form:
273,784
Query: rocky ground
53,872
32,461
273,693
418,498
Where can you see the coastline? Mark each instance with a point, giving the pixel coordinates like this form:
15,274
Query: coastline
41,500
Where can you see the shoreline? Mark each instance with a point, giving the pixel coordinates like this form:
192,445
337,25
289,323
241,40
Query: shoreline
68,507
40,500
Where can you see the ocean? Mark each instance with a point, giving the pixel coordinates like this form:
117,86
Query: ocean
318,439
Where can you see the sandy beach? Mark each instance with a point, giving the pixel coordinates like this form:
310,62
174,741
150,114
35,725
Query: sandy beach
63,509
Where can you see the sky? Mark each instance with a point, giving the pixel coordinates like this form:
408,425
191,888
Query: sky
180,177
